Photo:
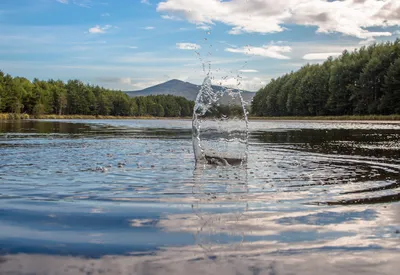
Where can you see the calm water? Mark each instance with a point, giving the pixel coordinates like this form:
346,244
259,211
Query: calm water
125,197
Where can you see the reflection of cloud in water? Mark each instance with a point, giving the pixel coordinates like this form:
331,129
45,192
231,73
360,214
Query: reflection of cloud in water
266,225
318,228
180,261
222,188
272,240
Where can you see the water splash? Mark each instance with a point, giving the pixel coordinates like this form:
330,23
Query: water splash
220,126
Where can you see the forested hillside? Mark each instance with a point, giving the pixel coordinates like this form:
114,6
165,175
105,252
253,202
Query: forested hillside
19,95
363,82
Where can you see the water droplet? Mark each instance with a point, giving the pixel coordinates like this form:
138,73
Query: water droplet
220,126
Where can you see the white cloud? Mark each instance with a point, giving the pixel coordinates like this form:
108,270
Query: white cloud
247,84
348,17
149,28
319,56
368,41
170,17
145,2
63,1
127,82
271,51
145,84
99,29
133,47
248,71
120,80
106,14
188,46
203,27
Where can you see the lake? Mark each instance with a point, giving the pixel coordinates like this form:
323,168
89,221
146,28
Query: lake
125,197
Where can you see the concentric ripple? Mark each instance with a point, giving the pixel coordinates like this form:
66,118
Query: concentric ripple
95,188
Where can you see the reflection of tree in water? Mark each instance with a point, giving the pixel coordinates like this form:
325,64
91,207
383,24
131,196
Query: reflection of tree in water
220,204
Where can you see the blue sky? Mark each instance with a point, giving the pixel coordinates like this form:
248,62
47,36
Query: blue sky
133,44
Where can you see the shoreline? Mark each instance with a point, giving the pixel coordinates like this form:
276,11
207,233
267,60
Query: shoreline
377,118
83,117
370,118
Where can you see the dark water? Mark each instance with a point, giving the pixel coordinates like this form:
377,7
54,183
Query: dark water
125,197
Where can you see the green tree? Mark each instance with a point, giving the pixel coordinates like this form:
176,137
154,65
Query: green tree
390,103
372,78
74,97
356,82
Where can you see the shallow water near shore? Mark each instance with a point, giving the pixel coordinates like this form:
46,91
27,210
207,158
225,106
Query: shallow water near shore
125,197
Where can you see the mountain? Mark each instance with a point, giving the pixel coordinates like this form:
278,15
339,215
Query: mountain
180,88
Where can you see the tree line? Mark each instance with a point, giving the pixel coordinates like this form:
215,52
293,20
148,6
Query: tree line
20,95
363,82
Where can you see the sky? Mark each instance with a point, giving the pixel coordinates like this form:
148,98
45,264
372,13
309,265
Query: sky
133,44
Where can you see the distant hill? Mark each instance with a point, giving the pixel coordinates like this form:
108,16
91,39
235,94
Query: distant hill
180,88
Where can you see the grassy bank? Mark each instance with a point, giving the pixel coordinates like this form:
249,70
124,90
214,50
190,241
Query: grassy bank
26,116
333,118
13,116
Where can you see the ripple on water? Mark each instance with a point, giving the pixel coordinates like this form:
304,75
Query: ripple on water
133,186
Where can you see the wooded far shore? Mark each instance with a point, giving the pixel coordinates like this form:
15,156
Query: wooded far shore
391,118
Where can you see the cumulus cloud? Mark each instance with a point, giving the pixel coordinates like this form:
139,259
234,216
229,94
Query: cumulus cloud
271,51
117,80
319,56
188,46
98,29
248,71
348,17
248,84
145,84
145,2
368,41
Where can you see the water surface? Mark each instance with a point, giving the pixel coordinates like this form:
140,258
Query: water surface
125,196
